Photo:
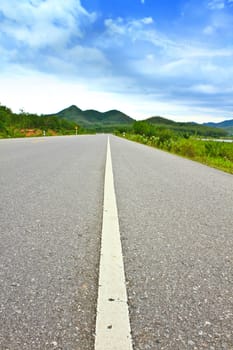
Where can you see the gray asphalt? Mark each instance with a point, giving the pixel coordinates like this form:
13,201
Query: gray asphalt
176,222
51,194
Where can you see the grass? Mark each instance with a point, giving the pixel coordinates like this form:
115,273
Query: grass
218,155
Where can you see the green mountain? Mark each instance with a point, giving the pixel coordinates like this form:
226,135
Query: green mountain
189,128
66,121
226,125
160,120
93,119
114,119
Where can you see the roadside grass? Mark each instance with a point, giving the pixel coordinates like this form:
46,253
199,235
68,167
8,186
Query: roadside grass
218,155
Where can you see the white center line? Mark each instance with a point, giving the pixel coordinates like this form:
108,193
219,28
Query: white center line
112,322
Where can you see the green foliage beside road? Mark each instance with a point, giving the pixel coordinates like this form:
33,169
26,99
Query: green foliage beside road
160,125
215,154
25,124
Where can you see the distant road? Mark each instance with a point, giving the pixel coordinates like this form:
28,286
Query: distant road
176,224
218,140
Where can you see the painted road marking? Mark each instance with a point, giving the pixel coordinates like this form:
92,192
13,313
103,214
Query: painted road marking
37,141
112,322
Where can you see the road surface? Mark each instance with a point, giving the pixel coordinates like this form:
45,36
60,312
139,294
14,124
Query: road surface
50,223
175,219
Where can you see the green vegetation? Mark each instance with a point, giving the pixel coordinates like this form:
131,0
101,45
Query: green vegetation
185,143
25,124
226,125
113,120
154,124
178,138
94,120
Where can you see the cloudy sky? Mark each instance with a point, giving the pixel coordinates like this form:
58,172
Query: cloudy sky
172,58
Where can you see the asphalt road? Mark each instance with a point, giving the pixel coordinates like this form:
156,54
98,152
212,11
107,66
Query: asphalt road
50,224
176,223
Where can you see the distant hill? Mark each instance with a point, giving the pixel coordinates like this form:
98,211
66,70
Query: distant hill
94,119
114,119
90,120
164,121
160,120
226,125
189,128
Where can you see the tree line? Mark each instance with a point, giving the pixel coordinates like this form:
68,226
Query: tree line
176,129
20,124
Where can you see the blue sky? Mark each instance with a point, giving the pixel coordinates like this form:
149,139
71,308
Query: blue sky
145,57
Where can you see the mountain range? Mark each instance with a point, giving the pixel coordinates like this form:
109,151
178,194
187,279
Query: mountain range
109,120
93,119
226,125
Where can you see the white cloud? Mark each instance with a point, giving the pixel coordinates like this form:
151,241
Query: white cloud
115,27
121,26
42,94
143,70
209,30
187,66
205,88
143,2
164,48
216,4
27,11
147,20
81,62
201,52
139,30
41,23
47,35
